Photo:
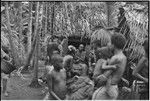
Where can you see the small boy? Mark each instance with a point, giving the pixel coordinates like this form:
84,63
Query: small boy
56,79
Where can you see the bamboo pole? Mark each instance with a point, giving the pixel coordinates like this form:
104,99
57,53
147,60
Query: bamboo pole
46,18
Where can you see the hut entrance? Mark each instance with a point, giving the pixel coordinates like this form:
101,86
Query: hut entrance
77,40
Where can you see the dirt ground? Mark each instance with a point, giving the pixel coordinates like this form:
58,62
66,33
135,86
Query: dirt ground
18,88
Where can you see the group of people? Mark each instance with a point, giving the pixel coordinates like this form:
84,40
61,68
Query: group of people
75,74
102,70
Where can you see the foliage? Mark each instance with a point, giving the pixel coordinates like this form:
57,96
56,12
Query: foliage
73,18
102,35
137,19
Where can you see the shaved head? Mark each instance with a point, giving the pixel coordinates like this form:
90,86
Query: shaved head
57,61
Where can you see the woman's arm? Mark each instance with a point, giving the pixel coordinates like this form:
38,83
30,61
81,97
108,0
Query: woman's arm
105,66
137,69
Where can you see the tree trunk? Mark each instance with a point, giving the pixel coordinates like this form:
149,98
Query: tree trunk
30,27
46,18
71,21
109,9
65,15
41,30
34,82
14,54
28,59
44,31
52,19
21,49
30,54
62,20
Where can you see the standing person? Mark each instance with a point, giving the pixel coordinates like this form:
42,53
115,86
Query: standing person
117,64
56,79
141,73
4,76
52,48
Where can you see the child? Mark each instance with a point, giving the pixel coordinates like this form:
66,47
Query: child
56,79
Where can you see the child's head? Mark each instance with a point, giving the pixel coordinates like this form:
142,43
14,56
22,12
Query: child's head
57,61
118,40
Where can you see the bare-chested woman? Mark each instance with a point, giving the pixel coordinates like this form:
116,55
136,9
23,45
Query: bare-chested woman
56,79
117,63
